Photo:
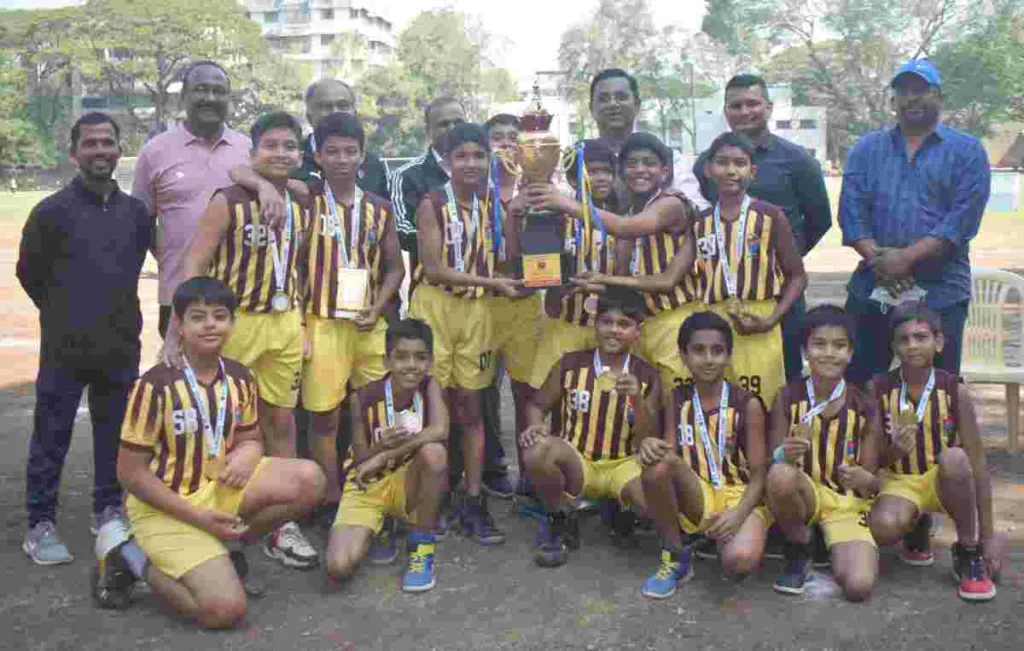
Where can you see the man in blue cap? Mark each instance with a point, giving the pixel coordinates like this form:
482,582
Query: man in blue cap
912,200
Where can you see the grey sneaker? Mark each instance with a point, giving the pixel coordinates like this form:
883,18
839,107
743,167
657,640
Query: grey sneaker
44,547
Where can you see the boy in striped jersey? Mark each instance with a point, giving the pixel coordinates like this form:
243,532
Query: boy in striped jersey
192,462
825,431
260,264
400,426
933,459
653,251
353,250
455,273
608,401
707,474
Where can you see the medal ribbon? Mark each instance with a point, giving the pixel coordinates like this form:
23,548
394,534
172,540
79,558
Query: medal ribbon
634,263
497,211
583,227
280,255
599,368
922,402
389,403
213,437
817,409
456,227
347,252
740,234
698,415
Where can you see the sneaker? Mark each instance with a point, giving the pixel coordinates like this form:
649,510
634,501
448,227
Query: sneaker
706,549
917,545
478,524
419,576
384,545
583,506
499,486
289,547
969,571
645,527
623,526
44,547
820,556
774,544
253,586
676,569
325,515
551,547
794,576
112,580
109,513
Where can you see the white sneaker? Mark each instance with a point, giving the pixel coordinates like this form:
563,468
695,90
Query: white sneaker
289,547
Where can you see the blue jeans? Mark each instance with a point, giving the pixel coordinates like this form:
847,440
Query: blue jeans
58,394
873,349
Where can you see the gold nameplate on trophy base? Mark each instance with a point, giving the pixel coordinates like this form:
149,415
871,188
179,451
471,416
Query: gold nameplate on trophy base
542,270
353,292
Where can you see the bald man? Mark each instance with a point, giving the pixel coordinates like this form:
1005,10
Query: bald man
325,97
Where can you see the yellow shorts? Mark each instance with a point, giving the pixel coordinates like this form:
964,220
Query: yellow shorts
339,355
757,362
719,501
517,331
175,547
659,337
843,518
367,508
922,490
606,479
463,337
270,345
558,337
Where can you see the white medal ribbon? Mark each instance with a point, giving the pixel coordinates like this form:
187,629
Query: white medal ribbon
634,263
818,408
389,404
698,415
214,437
456,229
922,402
599,368
280,254
349,257
739,235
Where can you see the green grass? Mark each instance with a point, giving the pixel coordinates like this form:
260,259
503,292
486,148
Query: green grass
16,207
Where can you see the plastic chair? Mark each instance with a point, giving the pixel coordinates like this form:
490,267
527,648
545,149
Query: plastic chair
993,345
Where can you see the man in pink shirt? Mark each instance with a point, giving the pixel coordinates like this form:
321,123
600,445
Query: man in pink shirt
178,171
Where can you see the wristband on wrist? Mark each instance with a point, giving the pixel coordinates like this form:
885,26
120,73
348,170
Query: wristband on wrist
779,456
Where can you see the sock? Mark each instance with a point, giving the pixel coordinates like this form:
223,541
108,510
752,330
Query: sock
135,558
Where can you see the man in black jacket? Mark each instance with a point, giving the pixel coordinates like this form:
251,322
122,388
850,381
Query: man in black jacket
81,253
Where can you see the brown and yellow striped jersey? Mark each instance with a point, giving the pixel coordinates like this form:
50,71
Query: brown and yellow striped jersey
828,449
374,414
690,447
759,275
939,430
162,418
597,257
595,419
243,260
652,255
477,252
321,294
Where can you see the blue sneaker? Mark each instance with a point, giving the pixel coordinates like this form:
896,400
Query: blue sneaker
419,576
797,568
44,546
552,549
384,545
676,569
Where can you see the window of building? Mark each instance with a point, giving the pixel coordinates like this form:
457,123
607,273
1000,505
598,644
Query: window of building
326,39
327,14
305,45
783,124
808,124
270,17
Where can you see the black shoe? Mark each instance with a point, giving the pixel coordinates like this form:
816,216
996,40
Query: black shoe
819,550
797,568
706,548
478,524
774,544
623,529
254,587
551,547
920,537
112,581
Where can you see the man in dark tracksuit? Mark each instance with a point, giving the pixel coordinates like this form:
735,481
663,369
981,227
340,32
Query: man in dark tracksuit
81,253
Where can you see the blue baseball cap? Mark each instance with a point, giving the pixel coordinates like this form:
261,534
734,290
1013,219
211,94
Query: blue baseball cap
923,68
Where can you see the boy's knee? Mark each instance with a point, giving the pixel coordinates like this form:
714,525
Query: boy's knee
310,484
887,527
740,561
340,567
223,613
434,457
858,587
783,480
955,464
537,454
658,473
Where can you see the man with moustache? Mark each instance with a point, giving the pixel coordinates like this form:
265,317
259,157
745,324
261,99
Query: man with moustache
81,253
178,171
788,177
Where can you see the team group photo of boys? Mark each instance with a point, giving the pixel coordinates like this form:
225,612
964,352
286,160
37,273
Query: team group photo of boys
437,396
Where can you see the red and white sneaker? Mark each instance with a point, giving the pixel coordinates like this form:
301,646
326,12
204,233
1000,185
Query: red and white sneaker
969,570
917,557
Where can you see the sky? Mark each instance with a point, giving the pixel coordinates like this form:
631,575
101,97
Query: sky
533,28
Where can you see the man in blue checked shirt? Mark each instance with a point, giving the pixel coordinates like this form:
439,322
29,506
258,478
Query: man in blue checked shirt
912,200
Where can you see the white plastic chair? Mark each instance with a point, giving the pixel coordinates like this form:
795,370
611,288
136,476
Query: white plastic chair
993,344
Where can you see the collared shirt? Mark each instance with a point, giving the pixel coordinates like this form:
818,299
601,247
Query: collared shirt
79,262
683,180
942,193
175,175
409,184
790,178
372,175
